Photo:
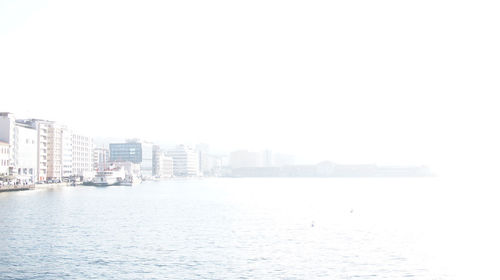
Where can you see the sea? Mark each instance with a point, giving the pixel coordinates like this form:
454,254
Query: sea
252,228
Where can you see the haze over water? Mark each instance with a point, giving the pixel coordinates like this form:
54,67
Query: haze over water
244,229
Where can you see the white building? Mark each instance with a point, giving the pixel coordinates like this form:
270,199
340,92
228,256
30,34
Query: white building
203,159
147,159
4,158
22,141
42,128
100,159
82,161
165,166
185,161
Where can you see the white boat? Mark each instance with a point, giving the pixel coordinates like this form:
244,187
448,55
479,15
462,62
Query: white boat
109,177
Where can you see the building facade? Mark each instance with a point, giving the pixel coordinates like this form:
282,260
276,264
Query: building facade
42,128
4,158
185,161
134,151
59,152
82,161
126,152
25,152
163,165
22,147
101,159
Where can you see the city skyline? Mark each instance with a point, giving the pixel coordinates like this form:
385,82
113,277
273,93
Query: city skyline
387,95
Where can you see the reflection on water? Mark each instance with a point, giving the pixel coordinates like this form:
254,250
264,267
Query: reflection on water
234,229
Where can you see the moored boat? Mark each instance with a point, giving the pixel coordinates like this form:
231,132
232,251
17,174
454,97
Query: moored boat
109,177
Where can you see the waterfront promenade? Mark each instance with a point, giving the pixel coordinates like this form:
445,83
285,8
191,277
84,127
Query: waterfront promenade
11,188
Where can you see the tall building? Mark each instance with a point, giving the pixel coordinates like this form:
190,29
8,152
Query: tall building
59,152
156,160
100,159
82,155
134,151
185,161
4,158
203,158
147,160
22,141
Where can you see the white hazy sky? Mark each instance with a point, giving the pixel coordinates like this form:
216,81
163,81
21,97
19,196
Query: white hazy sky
352,81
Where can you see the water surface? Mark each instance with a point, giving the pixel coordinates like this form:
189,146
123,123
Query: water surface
228,229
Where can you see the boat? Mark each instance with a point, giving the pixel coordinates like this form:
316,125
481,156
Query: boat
109,177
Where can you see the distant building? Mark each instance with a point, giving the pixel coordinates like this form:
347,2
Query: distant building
100,159
4,158
203,159
134,151
126,152
185,161
156,160
166,166
82,154
163,165
329,169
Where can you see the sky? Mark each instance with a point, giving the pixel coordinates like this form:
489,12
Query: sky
386,82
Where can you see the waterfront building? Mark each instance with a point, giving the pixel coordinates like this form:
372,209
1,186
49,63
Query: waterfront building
203,159
164,166
101,159
4,158
82,155
134,151
59,151
147,160
156,160
42,128
185,161
22,141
